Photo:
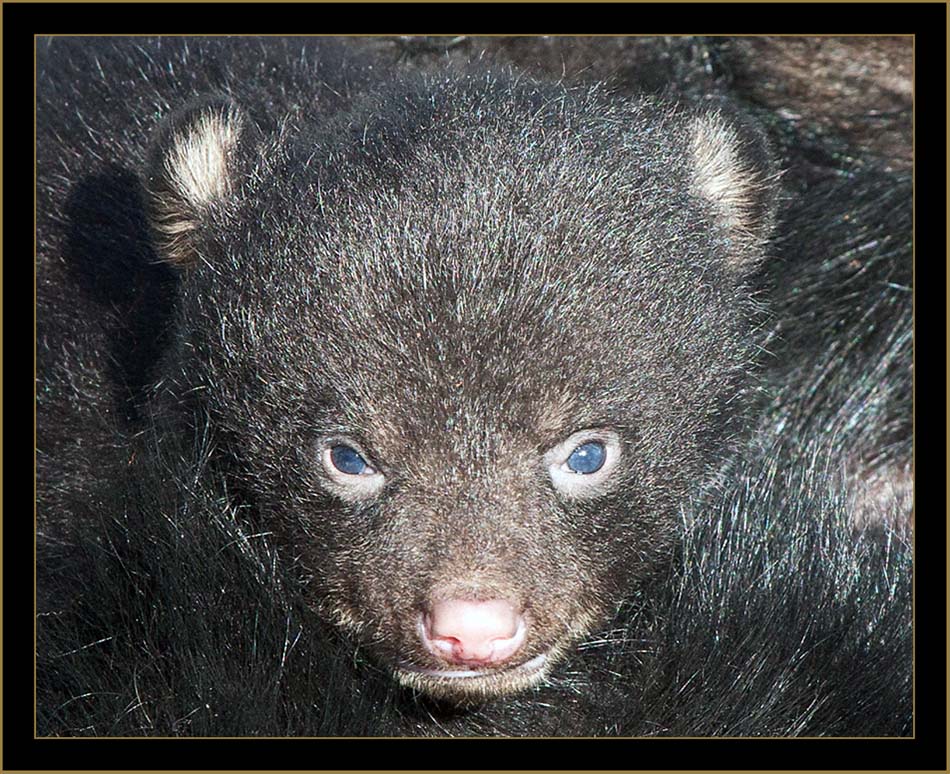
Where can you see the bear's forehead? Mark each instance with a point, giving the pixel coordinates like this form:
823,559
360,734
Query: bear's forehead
428,309
468,421
476,256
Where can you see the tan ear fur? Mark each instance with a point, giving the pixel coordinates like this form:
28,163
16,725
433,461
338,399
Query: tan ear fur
739,193
195,171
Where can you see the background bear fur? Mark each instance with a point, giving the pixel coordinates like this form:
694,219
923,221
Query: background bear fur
206,563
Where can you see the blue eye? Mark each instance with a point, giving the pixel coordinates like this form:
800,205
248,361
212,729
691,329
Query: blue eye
587,458
348,460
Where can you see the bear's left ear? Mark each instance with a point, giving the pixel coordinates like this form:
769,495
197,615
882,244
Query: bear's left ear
194,170
735,172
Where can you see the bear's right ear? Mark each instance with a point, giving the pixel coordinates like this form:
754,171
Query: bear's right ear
193,172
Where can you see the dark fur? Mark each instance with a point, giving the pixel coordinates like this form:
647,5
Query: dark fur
777,624
270,349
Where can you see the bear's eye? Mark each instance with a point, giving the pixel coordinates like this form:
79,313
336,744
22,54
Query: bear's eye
582,465
347,460
587,458
348,474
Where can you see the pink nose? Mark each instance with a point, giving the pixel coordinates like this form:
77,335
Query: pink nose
464,631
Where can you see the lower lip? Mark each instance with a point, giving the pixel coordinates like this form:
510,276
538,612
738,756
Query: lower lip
531,665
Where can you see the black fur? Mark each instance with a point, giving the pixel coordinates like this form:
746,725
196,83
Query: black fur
778,622
200,496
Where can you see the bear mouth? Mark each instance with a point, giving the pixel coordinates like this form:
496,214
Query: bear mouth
476,683
473,682
531,665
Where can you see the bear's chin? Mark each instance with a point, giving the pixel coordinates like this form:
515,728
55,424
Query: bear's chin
473,685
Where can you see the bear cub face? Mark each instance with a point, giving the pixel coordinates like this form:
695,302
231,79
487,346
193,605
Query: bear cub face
465,347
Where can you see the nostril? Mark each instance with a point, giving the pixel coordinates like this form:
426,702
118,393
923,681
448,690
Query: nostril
473,631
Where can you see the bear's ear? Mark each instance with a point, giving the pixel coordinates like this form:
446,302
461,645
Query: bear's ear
734,171
193,172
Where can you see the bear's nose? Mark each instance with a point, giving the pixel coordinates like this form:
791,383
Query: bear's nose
463,631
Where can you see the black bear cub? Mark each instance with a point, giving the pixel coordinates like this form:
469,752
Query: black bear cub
463,345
